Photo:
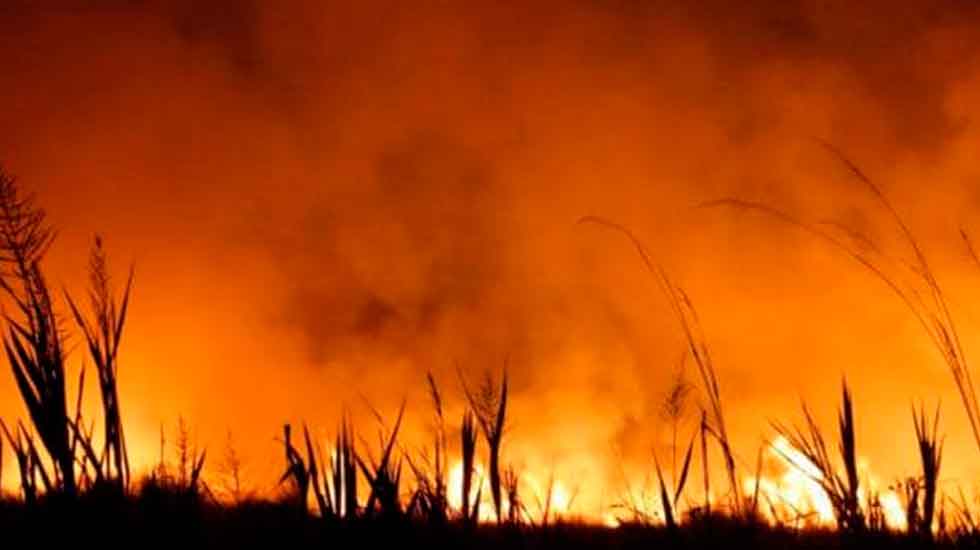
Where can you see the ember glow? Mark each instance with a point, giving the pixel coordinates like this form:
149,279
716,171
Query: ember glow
323,202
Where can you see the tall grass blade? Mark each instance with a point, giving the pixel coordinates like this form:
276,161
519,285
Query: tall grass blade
690,324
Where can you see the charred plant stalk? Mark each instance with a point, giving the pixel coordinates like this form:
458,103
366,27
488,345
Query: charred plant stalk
674,408
549,497
313,475
296,470
931,454
665,500
468,450
673,411
841,488
103,333
490,406
437,491
345,472
190,462
33,344
384,475
511,485
21,445
703,429
848,450
429,500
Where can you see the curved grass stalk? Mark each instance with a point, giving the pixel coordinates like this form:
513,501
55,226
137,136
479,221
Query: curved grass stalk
924,298
690,323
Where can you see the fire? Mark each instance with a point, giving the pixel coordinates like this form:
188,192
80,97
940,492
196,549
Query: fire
795,492
794,495
531,490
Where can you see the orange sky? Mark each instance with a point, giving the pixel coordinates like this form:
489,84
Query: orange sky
323,201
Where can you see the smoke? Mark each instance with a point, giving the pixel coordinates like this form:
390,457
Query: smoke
325,201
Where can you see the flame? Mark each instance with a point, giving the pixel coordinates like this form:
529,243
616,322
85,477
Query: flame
796,492
480,487
531,490
789,491
795,496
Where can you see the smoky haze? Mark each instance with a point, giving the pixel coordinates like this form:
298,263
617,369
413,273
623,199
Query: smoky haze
325,201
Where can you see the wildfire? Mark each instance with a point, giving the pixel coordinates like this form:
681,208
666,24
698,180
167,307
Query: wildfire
789,493
532,491
793,494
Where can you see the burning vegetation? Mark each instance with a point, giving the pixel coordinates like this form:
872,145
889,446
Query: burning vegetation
803,482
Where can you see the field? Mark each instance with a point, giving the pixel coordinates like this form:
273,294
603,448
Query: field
76,480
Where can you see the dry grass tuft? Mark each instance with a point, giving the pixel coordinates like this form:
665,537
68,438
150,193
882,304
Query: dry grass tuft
839,483
103,334
489,406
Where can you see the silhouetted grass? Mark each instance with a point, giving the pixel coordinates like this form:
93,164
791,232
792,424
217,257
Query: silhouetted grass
683,309
430,498
33,343
470,510
384,474
840,484
57,456
103,334
922,491
490,408
914,282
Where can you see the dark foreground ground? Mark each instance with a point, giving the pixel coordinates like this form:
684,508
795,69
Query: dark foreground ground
175,524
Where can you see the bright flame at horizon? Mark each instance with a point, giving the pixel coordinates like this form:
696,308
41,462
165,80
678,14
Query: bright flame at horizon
795,495
561,499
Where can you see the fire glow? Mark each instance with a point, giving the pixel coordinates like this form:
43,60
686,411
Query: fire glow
790,495
385,191
537,498
793,495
